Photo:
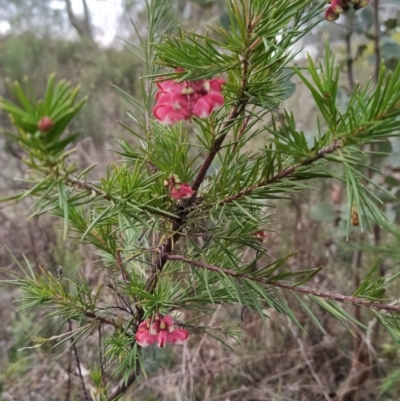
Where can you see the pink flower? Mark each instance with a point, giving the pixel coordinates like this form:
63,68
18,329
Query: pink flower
180,101
181,191
146,335
162,331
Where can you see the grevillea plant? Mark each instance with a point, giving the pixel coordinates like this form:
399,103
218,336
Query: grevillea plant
174,221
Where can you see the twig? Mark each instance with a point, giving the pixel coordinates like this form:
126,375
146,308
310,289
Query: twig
349,62
308,362
285,172
74,349
69,372
78,364
101,359
101,319
91,188
121,265
377,36
217,144
87,186
291,287
237,109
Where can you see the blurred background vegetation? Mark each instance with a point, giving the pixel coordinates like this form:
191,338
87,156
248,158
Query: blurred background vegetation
83,42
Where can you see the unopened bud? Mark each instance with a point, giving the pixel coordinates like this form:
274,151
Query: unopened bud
361,4
337,6
261,235
330,15
45,124
355,221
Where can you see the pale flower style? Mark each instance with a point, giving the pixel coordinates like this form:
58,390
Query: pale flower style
180,101
162,331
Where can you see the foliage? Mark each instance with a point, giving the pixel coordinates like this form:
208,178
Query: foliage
163,255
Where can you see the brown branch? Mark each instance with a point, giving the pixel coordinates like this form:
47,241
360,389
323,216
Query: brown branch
216,147
101,357
78,364
87,186
291,287
238,107
100,319
349,62
377,36
285,172
69,382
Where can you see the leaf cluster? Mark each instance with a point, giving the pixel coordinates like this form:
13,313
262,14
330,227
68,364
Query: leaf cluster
59,103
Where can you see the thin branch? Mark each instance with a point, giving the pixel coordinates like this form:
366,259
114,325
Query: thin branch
308,361
100,319
216,146
349,56
101,358
87,186
237,109
78,364
377,36
91,188
291,287
285,172
69,382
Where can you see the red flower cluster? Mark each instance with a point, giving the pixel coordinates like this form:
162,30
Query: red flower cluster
337,7
161,331
180,101
177,190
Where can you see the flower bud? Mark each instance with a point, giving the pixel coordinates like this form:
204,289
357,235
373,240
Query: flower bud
361,4
354,218
337,6
45,124
330,15
261,235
